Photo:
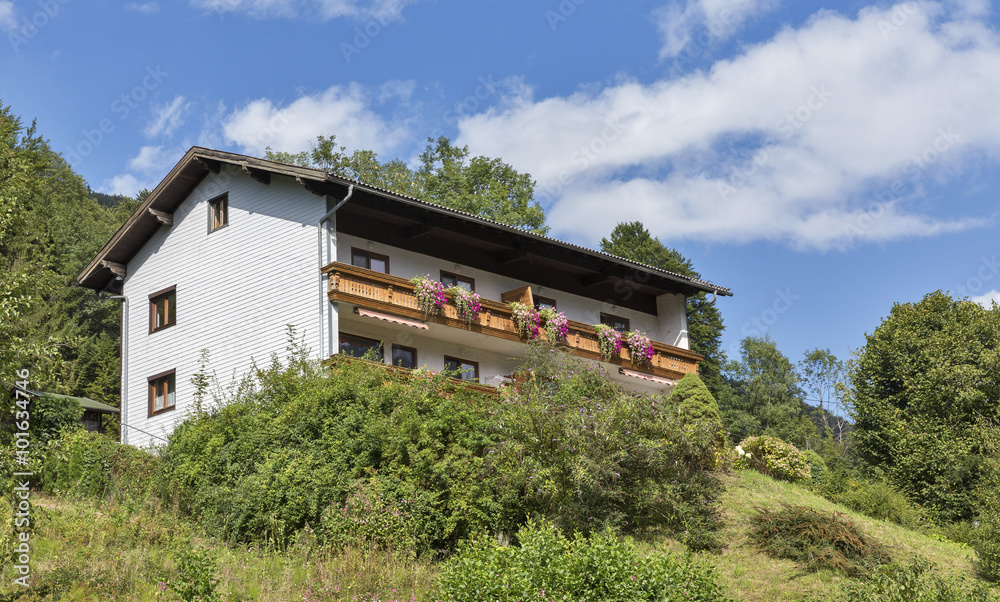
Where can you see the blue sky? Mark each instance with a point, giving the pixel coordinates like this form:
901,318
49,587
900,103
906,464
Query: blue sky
822,161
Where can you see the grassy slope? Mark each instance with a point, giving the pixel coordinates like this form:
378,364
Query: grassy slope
750,575
104,552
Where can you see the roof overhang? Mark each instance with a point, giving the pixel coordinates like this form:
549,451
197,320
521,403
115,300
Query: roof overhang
396,219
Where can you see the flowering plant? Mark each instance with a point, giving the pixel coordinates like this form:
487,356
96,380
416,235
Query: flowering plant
430,294
640,347
556,324
609,339
526,318
466,303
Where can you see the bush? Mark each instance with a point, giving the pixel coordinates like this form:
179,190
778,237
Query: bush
585,454
776,458
369,517
914,582
92,464
295,439
817,466
549,566
878,499
986,540
817,539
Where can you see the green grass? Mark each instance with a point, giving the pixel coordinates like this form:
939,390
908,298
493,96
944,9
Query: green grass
99,551
751,575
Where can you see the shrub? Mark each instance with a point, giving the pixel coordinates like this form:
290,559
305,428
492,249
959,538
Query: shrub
295,439
914,582
196,581
878,499
369,517
693,400
776,458
817,539
817,466
92,464
584,453
549,566
986,541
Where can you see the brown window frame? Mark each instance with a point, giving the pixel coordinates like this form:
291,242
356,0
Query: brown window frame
404,348
370,254
357,337
540,300
459,278
609,320
221,201
461,376
170,376
154,299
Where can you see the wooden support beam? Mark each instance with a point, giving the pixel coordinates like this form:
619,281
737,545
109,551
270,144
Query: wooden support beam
512,255
167,219
118,269
261,176
416,231
592,280
309,185
212,166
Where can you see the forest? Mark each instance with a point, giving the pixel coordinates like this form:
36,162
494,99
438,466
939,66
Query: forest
905,432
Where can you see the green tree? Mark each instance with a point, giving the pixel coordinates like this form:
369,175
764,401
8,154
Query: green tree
482,186
764,397
924,377
631,240
447,176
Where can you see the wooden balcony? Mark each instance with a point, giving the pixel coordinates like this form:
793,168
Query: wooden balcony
394,295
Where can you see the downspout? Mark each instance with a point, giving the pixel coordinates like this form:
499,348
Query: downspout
323,301
124,384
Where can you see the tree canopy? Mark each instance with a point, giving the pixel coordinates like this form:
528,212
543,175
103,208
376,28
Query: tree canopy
448,176
764,396
924,378
631,240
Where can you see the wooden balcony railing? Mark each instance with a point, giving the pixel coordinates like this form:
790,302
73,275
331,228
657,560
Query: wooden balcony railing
392,294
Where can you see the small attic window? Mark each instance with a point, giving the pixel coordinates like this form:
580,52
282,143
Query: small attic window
218,213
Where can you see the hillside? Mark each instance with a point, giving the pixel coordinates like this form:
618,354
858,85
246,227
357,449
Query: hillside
98,551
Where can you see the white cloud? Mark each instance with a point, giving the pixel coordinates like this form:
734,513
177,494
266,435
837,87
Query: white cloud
168,117
343,111
384,11
148,8
704,22
821,137
8,19
987,300
145,170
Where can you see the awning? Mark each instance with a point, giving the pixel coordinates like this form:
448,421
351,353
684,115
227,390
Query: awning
655,379
368,313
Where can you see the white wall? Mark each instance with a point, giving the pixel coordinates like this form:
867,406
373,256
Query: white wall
237,289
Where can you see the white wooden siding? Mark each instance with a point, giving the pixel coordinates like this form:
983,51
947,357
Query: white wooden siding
237,289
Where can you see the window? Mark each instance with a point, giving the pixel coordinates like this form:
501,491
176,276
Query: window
218,213
370,261
161,393
466,370
449,279
541,302
163,309
356,346
617,322
405,357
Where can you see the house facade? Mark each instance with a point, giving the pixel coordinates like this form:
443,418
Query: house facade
229,251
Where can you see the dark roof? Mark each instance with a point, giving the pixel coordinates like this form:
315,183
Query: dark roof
594,267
